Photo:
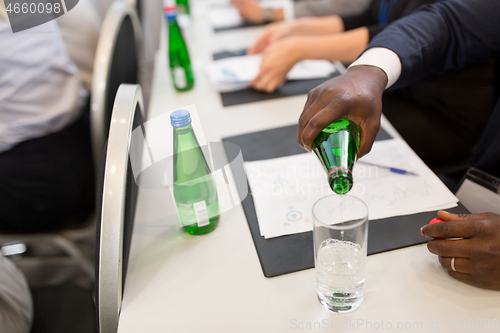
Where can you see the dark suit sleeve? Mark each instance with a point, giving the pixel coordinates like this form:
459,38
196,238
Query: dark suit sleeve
361,20
443,36
370,17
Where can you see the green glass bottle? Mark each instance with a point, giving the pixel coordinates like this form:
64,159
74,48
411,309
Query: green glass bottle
195,192
336,147
180,65
183,6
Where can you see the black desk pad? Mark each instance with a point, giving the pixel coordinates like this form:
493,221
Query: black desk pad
290,88
292,253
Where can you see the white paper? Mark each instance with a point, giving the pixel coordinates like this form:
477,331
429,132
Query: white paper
234,73
390,194
228,16
285,189
224,17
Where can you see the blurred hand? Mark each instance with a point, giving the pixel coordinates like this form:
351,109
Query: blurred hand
477,255
304,26
356,95
250,10
277,60
272,33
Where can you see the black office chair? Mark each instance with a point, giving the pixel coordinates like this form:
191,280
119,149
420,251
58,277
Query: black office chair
63,308
116,62
116,206
138,7
68,308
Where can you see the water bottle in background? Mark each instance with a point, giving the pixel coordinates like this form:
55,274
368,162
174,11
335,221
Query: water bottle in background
336,147
183,7
195,192
180,64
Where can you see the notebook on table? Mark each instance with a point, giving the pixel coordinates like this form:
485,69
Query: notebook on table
290,88
291,253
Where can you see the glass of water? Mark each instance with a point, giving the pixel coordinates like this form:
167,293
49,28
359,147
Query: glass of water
340,240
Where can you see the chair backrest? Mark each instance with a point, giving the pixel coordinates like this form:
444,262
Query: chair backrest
138,6
116,207
116,62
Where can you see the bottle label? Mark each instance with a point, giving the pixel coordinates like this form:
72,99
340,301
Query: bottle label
200,210
195,213
180,77
186,214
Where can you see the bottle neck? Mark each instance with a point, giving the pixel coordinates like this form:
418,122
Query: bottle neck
185,137
336,147
189,160
172,22
171,16
340,180
183,130
174,34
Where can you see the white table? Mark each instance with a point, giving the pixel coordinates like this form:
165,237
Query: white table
214,283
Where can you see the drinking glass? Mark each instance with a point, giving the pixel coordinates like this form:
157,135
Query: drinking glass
340,240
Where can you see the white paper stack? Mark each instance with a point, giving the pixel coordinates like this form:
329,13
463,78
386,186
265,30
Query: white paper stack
227,16
235,73
285,189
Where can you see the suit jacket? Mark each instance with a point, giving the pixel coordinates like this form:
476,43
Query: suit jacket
446,36
370,18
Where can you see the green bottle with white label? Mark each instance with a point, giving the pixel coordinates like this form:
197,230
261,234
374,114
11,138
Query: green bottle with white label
180,64
195,192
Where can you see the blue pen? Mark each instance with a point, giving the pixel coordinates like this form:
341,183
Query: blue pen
395,170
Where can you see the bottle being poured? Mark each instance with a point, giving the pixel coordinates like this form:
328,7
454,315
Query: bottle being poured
337,147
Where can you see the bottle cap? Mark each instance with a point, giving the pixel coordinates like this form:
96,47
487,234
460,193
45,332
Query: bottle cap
170,12
180,118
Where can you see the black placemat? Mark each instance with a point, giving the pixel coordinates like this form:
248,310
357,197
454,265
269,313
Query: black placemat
291,253
229,54
290,88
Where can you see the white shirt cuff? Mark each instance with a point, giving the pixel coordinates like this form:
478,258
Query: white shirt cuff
385,59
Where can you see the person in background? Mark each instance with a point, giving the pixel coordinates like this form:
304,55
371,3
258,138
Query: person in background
439,100
446,36
16,304
252,11
334,37
80,29
46,170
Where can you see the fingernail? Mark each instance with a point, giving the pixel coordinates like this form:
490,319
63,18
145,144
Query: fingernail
422,231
